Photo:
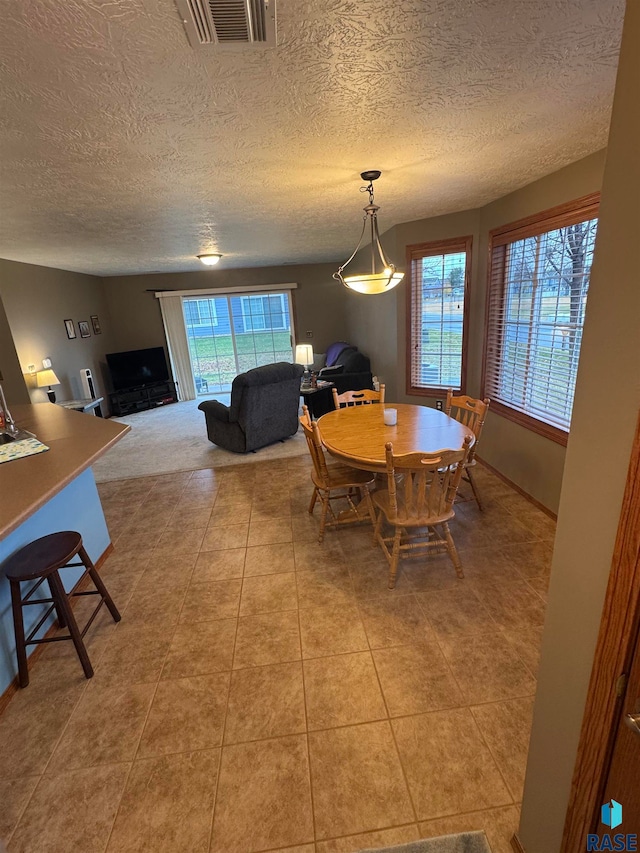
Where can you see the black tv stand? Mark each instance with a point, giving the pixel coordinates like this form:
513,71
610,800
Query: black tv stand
143,397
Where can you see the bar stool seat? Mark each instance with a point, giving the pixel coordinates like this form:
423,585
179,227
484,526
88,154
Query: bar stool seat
41,560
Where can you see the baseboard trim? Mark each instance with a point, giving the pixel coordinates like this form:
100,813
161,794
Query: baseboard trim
517,488
13,688
517,844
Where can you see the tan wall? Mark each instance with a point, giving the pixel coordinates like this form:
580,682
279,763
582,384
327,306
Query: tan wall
318,301
37,300
605,411
11,376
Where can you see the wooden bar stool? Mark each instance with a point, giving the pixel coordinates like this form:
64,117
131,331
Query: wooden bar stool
40,560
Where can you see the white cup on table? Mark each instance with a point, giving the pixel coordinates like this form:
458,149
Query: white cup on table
390,417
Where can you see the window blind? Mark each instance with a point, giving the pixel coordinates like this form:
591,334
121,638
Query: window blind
437,315
538,286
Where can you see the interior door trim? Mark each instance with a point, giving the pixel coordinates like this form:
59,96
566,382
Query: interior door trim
614,651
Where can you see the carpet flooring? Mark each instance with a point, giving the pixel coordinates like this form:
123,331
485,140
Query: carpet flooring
174,438
464,842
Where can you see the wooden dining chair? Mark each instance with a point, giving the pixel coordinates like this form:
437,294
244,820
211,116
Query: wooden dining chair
357,398
471,413
335,481
418,504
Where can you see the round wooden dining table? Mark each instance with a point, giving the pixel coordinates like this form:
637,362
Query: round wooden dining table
357,435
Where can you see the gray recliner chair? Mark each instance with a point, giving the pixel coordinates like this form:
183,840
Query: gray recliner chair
264,408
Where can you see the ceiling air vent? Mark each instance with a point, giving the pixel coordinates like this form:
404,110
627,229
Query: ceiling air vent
229,23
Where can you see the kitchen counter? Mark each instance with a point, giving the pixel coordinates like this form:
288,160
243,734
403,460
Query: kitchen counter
75,441
48,492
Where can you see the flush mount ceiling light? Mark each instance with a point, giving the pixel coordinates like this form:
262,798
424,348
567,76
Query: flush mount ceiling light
209,259
386,277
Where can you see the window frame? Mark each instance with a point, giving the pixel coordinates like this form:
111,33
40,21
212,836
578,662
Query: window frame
570,213
416,252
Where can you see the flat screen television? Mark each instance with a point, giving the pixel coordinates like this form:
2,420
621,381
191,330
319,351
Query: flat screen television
137,367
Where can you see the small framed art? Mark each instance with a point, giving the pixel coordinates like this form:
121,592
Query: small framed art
83,326
95,323
71,329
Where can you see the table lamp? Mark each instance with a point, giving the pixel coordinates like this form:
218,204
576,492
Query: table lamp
45,379
304,356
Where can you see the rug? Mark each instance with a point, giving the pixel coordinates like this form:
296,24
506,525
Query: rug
174,438
464,842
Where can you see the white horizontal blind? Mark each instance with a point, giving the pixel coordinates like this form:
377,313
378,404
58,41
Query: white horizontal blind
537,297
438,277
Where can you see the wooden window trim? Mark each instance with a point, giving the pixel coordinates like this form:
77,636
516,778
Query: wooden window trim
421,250
569,213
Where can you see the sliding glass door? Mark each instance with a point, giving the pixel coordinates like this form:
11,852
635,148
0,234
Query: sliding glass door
230,334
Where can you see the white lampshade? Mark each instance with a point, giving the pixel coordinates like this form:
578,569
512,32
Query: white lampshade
304,354
46,378
209,259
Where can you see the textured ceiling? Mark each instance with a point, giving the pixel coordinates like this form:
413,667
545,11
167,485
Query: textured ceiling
124,150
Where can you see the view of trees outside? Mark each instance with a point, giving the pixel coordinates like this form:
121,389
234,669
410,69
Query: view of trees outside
229,335
441,319
546,286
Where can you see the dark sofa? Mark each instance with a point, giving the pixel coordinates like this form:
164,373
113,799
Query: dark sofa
347,368
264,408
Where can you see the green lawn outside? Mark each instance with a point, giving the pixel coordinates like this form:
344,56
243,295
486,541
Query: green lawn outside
213,359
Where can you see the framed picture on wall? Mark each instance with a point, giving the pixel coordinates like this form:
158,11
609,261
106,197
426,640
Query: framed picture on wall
71,329
95,323
84,329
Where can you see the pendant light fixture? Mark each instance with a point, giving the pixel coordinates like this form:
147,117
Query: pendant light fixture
383,275
209,259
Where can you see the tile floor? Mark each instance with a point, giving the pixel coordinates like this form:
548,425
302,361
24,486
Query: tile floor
265,693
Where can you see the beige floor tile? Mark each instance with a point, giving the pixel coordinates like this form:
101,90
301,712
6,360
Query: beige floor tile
219,565
184,517
167,805
370,840
167,573
371,580
488,669
416,679
394,621
186,714
223,514
313,557
270,532
532,559
30,728
269,559
268,594
448,766
505,727
198,648
14,796
526,642
71,811
267,638
357,780
135,654
225,537
104,728
498,825
512,603
342,690
270,510
434,572
183,541
456,611
540,586
265,702
213,600
487,564
322,589
152,605
331,631
264,797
